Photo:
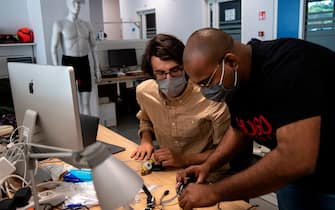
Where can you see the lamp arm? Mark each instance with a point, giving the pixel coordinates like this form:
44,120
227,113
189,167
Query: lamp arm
50,147
63,153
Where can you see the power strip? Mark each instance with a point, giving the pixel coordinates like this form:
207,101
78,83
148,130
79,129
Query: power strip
46,197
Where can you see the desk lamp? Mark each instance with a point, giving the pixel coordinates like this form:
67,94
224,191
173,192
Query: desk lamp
115,183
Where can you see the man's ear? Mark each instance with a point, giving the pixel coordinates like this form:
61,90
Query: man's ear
231,59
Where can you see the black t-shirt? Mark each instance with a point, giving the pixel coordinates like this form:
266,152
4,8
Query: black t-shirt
291,80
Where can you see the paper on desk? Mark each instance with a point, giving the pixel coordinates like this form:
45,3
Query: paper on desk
79,193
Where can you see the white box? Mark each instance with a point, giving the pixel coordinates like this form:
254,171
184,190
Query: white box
7,168
107,114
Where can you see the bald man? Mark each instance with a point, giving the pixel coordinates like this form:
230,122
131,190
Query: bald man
77,40
279,94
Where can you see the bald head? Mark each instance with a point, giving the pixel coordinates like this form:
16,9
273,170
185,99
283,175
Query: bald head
204,49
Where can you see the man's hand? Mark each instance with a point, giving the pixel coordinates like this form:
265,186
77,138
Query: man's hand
197,195
143,152
199,171
168,158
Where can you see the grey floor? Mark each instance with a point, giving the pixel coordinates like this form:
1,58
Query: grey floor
127,126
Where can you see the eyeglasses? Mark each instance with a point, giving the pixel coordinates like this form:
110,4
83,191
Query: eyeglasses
173,72
206,82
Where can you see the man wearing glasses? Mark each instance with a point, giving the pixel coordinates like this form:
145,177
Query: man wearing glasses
279,94
186,125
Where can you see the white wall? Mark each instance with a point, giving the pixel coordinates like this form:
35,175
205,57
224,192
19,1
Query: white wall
13,15
35,18
182,17
251,23
96,15
111,14
178,17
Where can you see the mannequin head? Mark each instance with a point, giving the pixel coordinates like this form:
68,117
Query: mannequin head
73,6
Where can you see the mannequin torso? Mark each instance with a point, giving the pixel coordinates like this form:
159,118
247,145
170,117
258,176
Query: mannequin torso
75,37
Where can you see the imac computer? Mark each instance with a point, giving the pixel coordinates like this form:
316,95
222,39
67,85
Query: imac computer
45,101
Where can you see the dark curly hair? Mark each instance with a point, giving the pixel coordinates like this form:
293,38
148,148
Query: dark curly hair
164,46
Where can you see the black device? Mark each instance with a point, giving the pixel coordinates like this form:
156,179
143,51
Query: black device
7,204
121,58
182,185
89,129
22,196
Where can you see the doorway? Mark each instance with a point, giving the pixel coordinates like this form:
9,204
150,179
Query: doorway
320,22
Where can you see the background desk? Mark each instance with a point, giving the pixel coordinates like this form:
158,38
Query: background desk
119,79
166,180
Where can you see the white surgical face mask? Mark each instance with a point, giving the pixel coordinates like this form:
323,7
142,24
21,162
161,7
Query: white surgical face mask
172,87
217,92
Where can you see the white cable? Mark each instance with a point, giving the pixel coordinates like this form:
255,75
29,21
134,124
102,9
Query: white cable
13,132
13,176
16,154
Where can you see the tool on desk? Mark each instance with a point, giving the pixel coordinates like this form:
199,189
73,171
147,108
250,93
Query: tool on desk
149,166
150,199
78,175
182,185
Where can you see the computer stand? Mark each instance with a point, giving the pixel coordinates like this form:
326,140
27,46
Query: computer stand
29,124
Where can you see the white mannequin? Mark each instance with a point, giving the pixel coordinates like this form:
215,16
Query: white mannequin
77,40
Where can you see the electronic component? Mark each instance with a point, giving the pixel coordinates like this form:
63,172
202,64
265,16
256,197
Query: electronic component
149,166
150,199
22,196
47,197
181,185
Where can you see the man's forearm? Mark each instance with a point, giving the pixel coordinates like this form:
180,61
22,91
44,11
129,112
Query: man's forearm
229,146
265,176
195,159
146,137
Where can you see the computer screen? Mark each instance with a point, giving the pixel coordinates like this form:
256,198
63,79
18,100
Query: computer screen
51,92
121,58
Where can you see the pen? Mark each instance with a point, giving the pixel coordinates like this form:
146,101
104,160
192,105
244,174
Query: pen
73,205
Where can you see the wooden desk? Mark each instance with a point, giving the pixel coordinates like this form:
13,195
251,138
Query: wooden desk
166,180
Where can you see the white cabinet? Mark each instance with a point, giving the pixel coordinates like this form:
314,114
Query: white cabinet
16,52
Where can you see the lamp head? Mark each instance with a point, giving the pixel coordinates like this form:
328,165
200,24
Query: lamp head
115,183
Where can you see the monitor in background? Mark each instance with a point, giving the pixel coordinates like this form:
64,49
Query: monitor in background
122,58
49,91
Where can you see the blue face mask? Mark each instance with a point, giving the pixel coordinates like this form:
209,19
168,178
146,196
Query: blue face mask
217,92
